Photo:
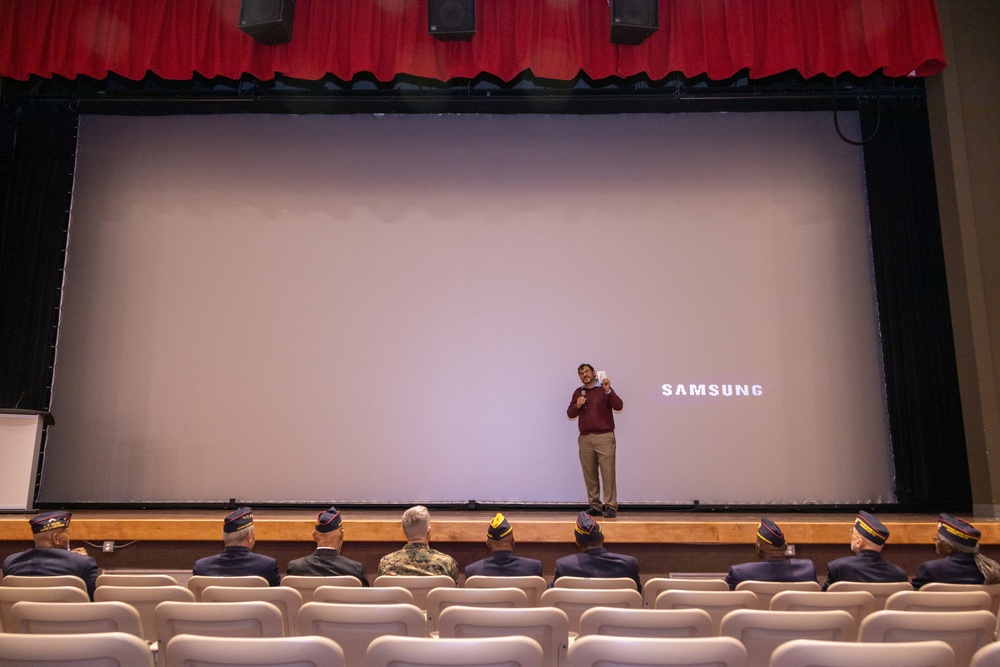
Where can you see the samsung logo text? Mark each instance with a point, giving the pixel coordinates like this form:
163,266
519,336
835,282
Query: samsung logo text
712,390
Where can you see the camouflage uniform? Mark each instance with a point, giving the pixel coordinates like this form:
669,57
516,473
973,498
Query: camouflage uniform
419,559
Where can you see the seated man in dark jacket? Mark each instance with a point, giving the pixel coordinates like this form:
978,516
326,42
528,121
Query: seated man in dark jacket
773,564
327,560
502,561
594,560
51,554
868,536
958,542
238,558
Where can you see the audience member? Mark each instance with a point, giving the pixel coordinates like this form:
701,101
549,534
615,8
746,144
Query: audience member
238,558
327,560
593,560
502,561
868,536
417,557
958,542
51,554
773,565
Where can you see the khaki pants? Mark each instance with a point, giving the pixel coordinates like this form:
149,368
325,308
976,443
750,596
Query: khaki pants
597,456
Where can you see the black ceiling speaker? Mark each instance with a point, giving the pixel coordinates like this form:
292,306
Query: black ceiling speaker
268,21
632,21
451,20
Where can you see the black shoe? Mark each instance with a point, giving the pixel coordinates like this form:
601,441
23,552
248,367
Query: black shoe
593,511
609,513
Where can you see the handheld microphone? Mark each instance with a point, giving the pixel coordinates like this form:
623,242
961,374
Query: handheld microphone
583,392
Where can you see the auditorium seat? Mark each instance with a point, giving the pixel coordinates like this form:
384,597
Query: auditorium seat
766,590
350,595
597,650
353,627
987,656
940,601
440,598
305,585
761,631
657,585
646,622
11,594
716,603
426,652
19,581
216,619
533,586
595,582
287,600
199,582
546,625
879,590
102,648
814,653
857,603
188,650
419,586
992,589
129,579
65,618
575,601
965,631
145,600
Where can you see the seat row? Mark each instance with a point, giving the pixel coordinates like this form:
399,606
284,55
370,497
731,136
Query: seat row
517,651
355,627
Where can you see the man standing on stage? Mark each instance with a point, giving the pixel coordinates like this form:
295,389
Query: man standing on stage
593,406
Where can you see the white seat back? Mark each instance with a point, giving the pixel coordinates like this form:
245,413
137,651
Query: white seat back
814,653
440,598
965,631
546,625
646,622
575,601
353,627
761,631
596,650
426,652
101,648
11,594
287,600
306,585
65,618
199,582
716,603
533,586
657,585
144,599
187,650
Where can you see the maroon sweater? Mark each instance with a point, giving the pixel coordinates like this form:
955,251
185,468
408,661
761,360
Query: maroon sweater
598,416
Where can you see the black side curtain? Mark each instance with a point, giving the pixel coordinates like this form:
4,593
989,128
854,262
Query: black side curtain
921,376
38,150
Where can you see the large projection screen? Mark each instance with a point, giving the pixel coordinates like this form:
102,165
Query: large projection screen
392,309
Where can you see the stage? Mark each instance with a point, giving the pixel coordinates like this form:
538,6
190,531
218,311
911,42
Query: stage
664,542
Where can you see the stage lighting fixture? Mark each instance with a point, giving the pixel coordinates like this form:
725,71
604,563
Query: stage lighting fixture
632,21
451,20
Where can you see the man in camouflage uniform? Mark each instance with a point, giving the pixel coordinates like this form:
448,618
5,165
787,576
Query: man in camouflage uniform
417,557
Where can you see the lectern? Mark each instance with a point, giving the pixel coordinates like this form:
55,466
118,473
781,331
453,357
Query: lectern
20,444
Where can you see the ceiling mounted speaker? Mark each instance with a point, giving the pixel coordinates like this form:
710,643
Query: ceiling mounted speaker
632,21
268,21
451,20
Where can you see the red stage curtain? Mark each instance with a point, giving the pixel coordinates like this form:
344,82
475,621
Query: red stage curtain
553,39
